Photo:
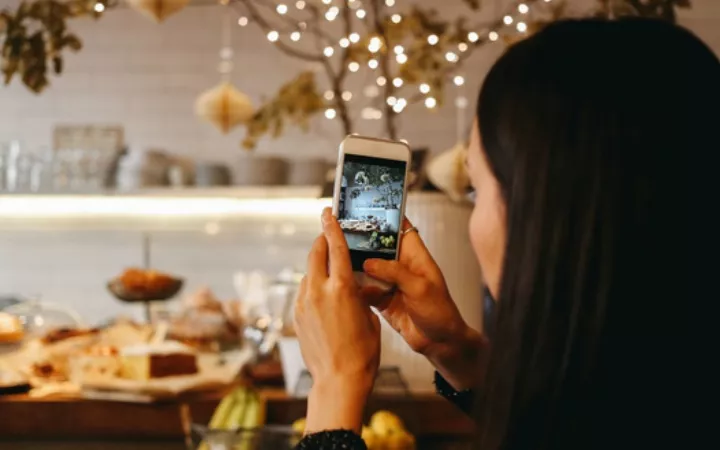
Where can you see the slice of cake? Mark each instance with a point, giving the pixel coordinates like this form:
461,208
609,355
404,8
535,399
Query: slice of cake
143,362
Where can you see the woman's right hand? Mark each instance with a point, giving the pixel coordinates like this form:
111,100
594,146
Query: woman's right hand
421,310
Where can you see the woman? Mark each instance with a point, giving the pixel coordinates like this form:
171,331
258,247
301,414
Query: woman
581,163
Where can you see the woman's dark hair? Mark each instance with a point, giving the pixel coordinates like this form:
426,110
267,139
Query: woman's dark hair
595,131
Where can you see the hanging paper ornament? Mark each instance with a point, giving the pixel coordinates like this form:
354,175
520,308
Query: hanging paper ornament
448,173
224,106
158,10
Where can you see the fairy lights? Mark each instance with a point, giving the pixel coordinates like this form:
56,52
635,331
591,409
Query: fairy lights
451,57
507,20
330,113
375,44
424,88
399,50
360,13
389,3
463,47
332,13
381,81
401,58
493,36
430,102
295,36
243,21
300,4
396,18
329,95
433,39
99,7
373,64
521,27
473,36
329,51
523,8
273,36
398,82
347,96
353,66
282,9
354,38
459,80
344,42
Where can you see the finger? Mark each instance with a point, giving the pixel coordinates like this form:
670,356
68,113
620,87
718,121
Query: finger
376,297
317,270
338,252
393,272
412,246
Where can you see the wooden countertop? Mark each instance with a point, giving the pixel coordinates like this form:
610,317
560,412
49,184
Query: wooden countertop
22,417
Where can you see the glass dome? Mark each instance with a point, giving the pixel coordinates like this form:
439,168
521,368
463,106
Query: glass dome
40,317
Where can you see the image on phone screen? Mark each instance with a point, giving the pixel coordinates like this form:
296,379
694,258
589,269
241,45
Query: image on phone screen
370,205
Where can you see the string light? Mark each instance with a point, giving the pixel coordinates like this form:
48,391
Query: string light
451,57
458,80
375,45
396,18
391,101
462,47
330,113
327,2
353,66
398,82
399,49
282,9
360,13
329,95
381,81
347,96
430,102
332,13
508,20
344,42
521,27
401,58
424,88
493,36
243,21
99,7
523,8
433,39
548,1
295,36
273,36
328,51
390,3
300,4
400,105
354,38
473,36
373,64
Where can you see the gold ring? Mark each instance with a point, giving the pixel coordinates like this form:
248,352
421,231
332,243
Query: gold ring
410,230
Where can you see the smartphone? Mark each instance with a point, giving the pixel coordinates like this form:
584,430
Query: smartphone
369,200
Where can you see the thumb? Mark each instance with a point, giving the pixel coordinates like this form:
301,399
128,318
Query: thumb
390,272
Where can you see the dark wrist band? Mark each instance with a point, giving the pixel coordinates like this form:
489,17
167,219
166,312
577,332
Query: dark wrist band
463,399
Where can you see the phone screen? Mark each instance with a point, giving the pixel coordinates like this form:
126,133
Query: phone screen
370,205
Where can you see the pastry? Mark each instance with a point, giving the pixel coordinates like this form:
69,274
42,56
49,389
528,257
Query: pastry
205,322
11,329
145,362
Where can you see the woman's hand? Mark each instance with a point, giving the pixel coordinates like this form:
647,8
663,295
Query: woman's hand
338,332
421,310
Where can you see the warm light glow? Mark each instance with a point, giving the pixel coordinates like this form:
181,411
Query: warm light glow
300,4
360,13
451,57
390,3
508,20
399,49
118,206
243,21
523,8
327,2
430,102
473,36
458,80
353,66
521,27
401,59
371,91
373,64
433,39
375,45
370,113
329,51
396,18
354,38
330,113
344,42
295,36
329,95
461,102
332,13
397,82
273,36
400,105
462,47
381,81
424,88
391,101
347,96
281,9
99,7
493,36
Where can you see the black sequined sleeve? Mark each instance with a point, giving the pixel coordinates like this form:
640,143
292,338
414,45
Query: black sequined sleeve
462,399
332,440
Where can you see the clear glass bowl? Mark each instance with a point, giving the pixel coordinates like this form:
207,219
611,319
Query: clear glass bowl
40,317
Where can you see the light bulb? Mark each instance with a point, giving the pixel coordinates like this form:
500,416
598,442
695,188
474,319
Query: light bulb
329,95
521,27
375,45
523,8
433,39
458,80
473,36
295,36
332,13
430,102
396,18
347,96
330,113
451,57
402,102
243,21
344,42
493,36
424,88
390,3
360,13
99,7
354,38
353,66
273,36
508,20
401,59
400,105
462,47
399,49
327,2
548,1
328,51
381,81
373,64
282,9
397,82
391,101
300,4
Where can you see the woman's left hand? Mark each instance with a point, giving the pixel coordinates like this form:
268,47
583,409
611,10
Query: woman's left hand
338,332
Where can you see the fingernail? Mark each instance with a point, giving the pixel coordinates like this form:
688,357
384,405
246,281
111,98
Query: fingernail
326,216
